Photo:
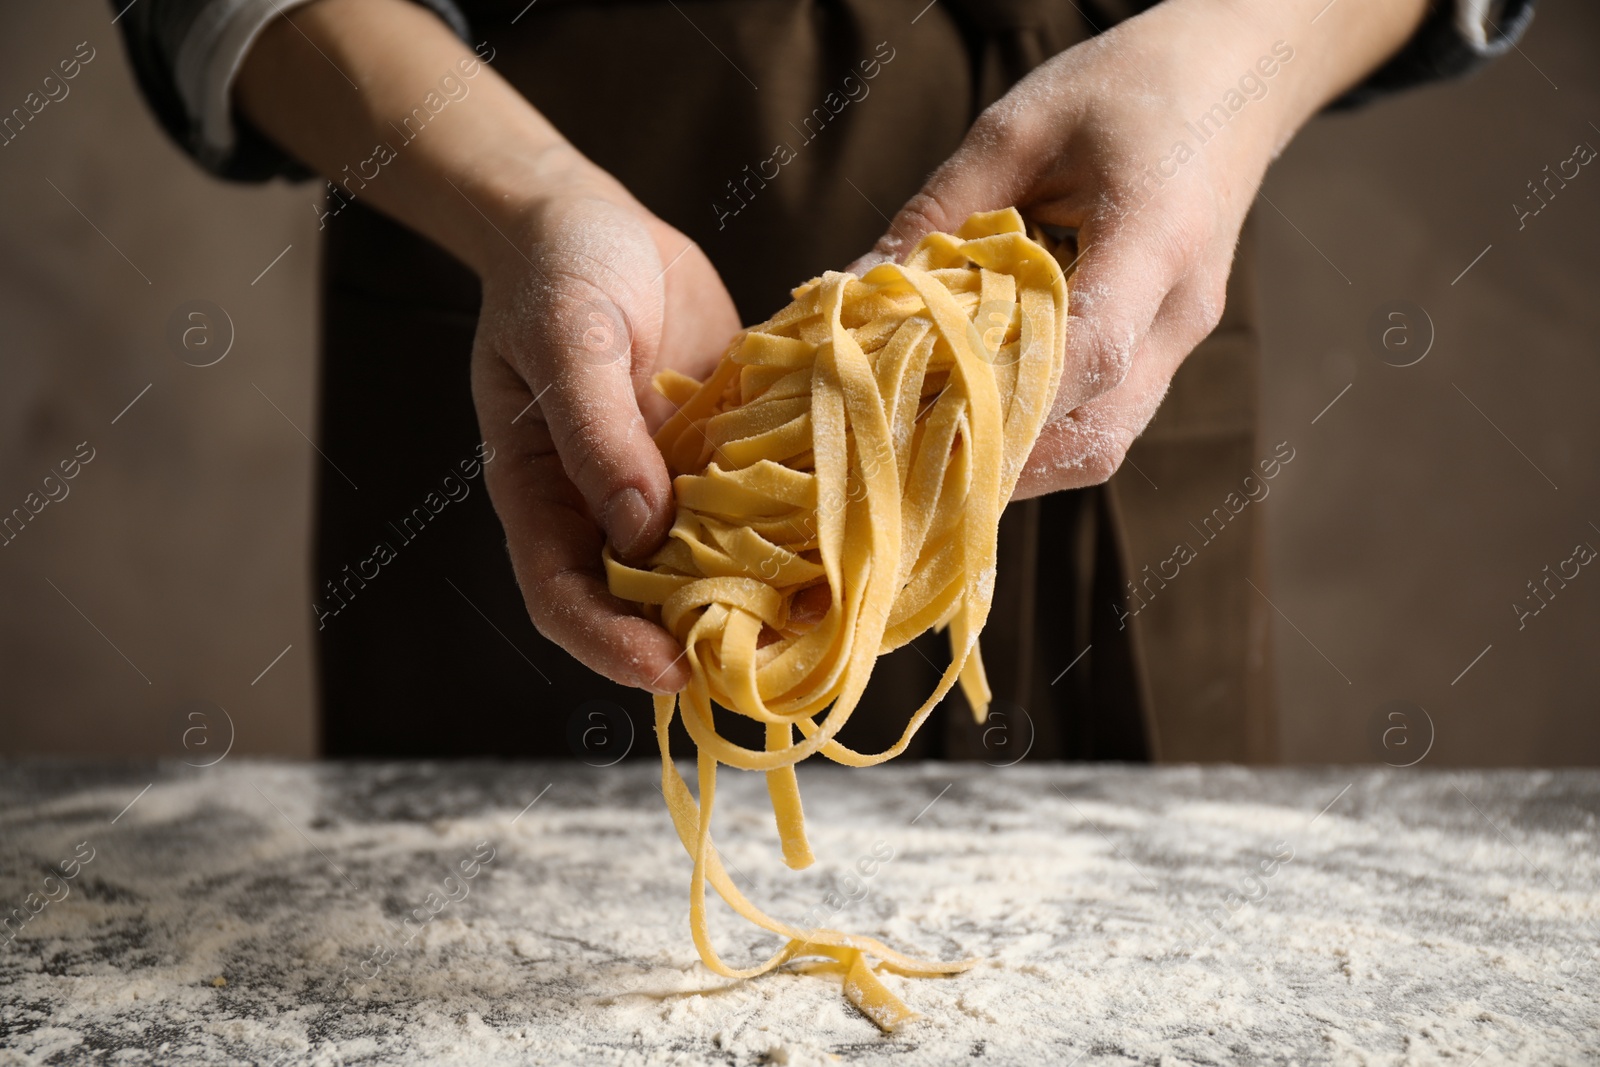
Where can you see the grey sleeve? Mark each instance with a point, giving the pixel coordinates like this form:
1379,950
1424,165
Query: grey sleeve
185,55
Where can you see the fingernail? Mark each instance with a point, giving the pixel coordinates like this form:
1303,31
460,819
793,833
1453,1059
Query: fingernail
660,688
625,516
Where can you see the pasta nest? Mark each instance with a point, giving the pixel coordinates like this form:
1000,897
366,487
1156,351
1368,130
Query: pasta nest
839,481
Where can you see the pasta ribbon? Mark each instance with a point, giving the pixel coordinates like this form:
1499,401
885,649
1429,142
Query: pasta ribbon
839,480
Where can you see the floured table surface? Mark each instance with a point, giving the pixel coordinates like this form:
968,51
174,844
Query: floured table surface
407,913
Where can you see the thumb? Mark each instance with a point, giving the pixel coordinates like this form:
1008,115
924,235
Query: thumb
976,178
597,428
597,319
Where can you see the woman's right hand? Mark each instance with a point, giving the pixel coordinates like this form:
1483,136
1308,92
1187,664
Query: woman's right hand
584,304
586,295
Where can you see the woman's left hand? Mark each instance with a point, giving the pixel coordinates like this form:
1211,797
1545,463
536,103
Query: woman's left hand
1150,141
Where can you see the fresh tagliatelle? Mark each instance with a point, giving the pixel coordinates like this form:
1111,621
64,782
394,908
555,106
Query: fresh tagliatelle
839,482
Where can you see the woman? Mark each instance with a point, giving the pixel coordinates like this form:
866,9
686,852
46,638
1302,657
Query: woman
532,207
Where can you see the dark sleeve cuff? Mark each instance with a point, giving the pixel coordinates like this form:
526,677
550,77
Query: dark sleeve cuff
184,54
1456,37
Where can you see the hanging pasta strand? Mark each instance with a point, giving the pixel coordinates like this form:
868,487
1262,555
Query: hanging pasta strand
839,480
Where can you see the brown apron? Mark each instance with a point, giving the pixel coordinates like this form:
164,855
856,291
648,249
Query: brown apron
686,103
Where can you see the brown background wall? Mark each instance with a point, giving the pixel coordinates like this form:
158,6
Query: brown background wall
1400,544
184,541
175,571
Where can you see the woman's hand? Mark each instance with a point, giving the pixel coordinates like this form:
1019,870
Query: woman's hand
581,308
586,294
1150,140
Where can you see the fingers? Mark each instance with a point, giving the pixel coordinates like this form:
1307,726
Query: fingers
594,317
1040,150
993,168
1128,263
1130,295
555,545
699,322
1127,269
562,364
1087,445
586,398
564,358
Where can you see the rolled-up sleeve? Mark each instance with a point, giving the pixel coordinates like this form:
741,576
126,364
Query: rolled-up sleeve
1455,38
186,55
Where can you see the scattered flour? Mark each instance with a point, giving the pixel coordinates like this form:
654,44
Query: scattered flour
1404,929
